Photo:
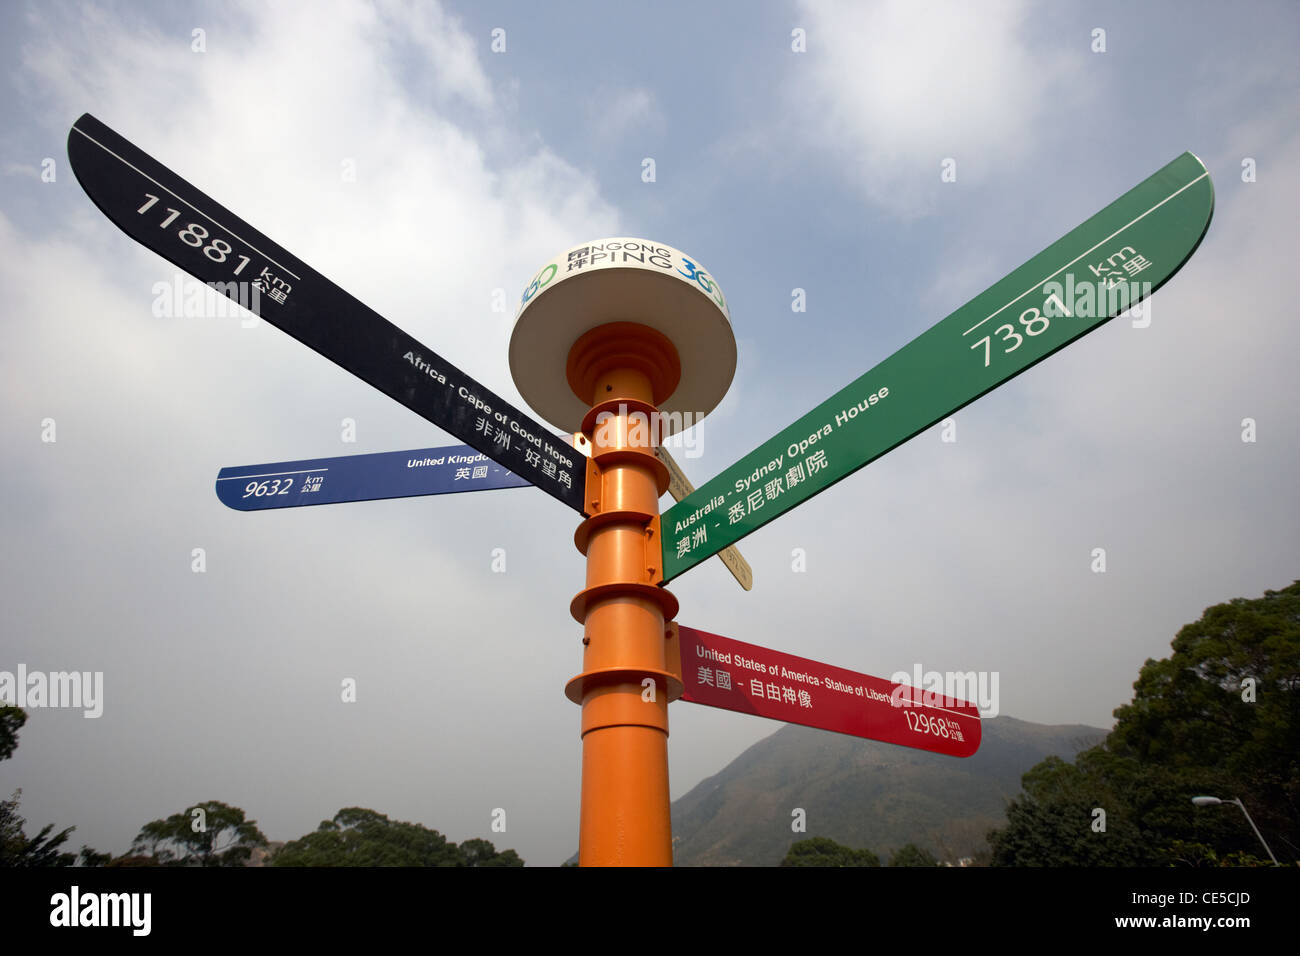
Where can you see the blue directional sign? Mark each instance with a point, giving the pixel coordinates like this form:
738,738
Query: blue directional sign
392,474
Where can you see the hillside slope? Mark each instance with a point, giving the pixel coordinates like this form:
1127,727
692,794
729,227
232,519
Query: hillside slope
862,793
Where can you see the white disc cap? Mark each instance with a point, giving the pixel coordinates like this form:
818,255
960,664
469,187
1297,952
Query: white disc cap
623,279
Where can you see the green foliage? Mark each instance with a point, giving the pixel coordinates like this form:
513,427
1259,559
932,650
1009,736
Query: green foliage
220,836
90,857
821,851
482,853
1220,716
15,848
11,720
912,855
360,837
1054,822
41,850
1192,712
1183,853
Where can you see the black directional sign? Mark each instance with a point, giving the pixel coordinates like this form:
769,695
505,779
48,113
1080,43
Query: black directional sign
163,212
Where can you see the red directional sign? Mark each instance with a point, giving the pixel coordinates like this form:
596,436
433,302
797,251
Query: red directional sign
733,675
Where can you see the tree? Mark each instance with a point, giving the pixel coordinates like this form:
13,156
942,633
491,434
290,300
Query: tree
482,853
41,850
912,855
1226,704
1055,821
207,834
822,851
11,720
91,857
360,837
1220,716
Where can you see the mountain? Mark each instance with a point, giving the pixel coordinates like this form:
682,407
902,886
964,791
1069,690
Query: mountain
862,793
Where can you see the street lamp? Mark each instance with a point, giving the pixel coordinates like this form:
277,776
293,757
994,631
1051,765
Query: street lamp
1215,801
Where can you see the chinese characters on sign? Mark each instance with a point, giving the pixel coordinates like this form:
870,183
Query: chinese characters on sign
394,474
163,212
1095,272
721,672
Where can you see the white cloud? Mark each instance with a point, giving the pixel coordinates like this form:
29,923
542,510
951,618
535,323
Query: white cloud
616,114
429,227
894,88
147,409
973,555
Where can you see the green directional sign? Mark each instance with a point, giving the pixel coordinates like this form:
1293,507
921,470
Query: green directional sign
1095,272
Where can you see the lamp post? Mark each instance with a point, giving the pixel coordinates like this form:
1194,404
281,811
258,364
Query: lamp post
1215,801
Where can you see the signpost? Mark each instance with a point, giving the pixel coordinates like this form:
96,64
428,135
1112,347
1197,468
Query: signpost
638,337
392,474
164,213
611,337
1093,273
721,672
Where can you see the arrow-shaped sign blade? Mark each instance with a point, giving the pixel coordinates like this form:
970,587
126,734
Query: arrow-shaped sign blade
1095,272
393,474
680,487
163,212
721,672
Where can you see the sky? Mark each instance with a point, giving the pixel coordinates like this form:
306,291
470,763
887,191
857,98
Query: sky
777,168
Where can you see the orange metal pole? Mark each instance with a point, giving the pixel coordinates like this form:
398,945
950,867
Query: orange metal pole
626,684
